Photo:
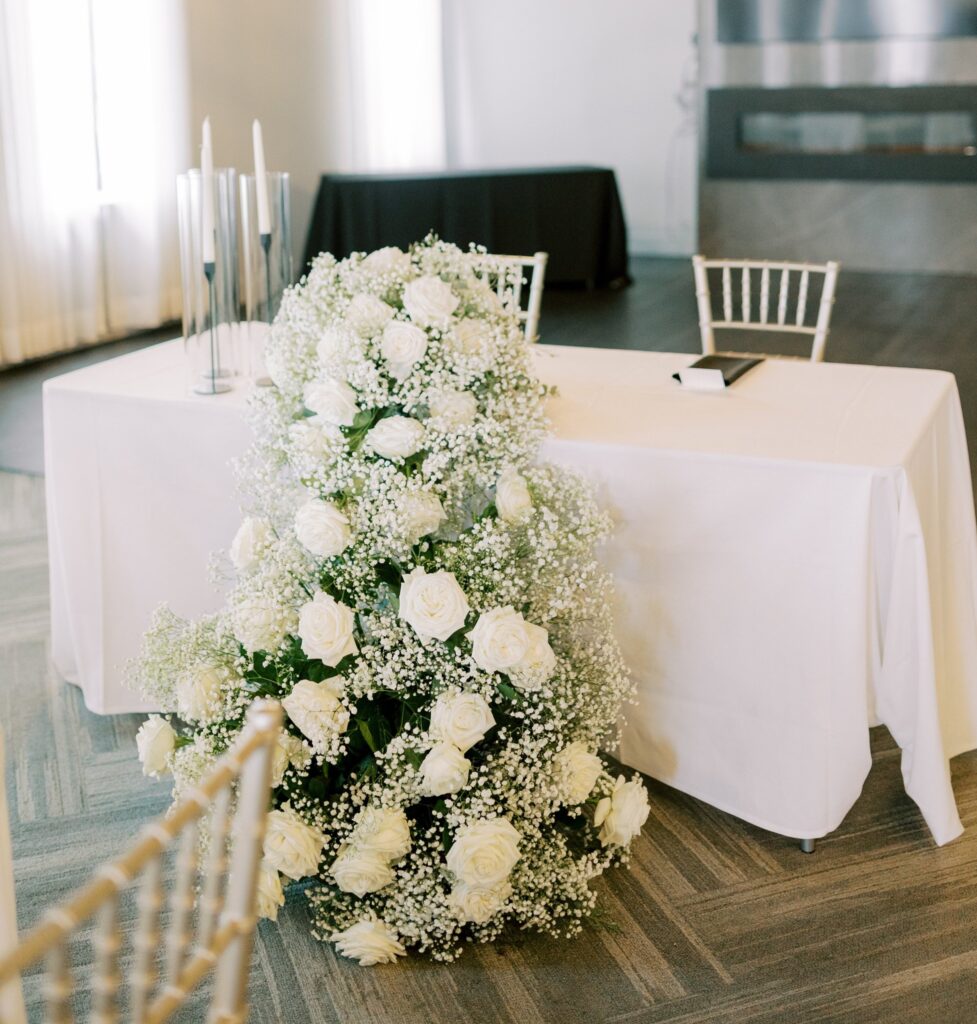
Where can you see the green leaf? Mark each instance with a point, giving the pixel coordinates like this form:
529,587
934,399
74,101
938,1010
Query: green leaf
315,671
366,734
414,462
509,692
390,575
367,768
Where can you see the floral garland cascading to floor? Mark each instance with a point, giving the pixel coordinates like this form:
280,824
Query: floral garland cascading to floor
423,597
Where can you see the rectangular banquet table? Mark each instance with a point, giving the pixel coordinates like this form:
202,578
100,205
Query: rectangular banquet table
796,559
573,213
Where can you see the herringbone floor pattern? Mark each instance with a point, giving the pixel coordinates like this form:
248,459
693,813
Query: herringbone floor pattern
715,922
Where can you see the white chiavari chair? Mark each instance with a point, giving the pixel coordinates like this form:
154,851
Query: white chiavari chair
774,308
507,275
11,999
234,797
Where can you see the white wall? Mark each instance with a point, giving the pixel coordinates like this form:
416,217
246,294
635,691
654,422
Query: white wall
252,58
533,82
529,82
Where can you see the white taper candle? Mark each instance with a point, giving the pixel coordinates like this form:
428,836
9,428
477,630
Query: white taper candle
208,239
260,180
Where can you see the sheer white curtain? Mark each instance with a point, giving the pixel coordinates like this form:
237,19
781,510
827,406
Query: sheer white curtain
395,84
92,132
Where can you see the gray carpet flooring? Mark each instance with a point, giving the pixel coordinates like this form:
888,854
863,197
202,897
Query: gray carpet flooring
716,921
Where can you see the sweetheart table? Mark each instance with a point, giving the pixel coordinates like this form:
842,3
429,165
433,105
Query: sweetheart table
795,559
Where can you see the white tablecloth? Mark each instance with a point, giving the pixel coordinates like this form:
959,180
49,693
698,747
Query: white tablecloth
11,1000
796,559
140,493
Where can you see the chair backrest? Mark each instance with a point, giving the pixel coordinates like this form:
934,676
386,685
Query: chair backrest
507,275
226,910
786,314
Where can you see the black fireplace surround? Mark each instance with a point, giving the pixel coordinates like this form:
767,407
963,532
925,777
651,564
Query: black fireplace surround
915,133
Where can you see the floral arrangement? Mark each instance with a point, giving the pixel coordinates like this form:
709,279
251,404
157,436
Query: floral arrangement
422,596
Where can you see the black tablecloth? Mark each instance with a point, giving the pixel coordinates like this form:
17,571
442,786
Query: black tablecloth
573,213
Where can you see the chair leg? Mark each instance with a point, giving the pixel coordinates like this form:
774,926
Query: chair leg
807,846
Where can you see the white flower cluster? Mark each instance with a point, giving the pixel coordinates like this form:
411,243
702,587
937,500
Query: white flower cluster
423,598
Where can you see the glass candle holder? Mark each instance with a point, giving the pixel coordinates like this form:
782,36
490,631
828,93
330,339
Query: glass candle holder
211,301
266,265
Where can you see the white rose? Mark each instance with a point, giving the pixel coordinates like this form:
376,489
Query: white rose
289,751
317,710
470,337
326,629
539,663
453,410
291,846
253,537
403,345
433,604
367,314
371,942
421,513
333,400
461,719
335,342
258,623
315,439
270,893
388,260
484,852
384,831
197,693
479,903
322,529
429,301
622,814
500,640
577,770
512,498
395,437
155,741
444,770
361,871
487,296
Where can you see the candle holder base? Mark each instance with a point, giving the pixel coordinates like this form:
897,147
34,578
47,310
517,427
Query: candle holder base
208,387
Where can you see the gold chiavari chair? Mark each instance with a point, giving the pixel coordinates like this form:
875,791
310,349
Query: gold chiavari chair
234,797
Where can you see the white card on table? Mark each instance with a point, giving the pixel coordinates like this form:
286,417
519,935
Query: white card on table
700,379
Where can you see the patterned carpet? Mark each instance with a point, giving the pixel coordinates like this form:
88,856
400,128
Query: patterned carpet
716,921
